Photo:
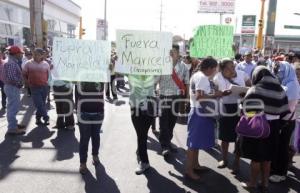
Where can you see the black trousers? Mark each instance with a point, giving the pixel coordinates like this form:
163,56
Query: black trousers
111,86
141,123
3,95
167,120
63,109
280,161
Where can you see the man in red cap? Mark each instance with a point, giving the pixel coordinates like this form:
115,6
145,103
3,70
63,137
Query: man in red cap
12,78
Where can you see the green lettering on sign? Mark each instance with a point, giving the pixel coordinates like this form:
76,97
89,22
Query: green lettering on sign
212,40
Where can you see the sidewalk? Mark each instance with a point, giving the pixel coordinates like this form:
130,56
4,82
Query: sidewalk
47,161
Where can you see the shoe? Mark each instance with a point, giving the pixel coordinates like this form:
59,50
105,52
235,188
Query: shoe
83,169
193,179
277,178
17,131
46,122
38,122
222,164
142,168
21,126
165,152
96,161
246,186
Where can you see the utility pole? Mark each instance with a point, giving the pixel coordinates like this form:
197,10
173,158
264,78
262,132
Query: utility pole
36,22
259,44
270,28
105,20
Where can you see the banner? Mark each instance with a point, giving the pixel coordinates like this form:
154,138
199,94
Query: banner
248,24
213,40
216,6
81,60
144,52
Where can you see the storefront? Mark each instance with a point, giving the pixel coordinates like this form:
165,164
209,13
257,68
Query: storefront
62,18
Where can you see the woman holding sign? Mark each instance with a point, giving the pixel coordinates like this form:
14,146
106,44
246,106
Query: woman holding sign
142,103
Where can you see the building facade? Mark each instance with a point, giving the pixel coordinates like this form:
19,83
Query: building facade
62,17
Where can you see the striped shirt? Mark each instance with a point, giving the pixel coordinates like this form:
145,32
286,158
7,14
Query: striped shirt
167,85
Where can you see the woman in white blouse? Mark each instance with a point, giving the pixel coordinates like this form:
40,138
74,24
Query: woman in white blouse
224,79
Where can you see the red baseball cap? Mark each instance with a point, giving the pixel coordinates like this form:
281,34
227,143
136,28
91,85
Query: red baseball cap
279,58
14,50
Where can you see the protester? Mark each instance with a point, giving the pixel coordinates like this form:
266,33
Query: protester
90,112
247,65
227,77
26,58
200,126
280,161
63,97
3,95
260,151
13,82
296,63
142,104
36,73
172,87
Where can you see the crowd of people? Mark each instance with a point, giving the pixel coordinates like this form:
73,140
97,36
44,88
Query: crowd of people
205,83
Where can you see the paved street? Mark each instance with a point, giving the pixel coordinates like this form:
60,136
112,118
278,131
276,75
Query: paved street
46,161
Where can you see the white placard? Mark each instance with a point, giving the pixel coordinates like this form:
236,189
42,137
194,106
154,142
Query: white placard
144,52
81,60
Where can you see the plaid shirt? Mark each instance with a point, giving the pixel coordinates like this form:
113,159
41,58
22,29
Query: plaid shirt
167,86
12,73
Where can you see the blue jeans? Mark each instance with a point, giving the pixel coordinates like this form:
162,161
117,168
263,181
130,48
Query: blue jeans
13,106
89,131
39,95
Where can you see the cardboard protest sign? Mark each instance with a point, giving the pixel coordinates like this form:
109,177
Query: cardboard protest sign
213,40
81,60
144,52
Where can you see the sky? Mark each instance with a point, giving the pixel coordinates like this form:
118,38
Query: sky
179,16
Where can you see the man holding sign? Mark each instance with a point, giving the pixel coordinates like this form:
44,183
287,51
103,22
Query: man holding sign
172,87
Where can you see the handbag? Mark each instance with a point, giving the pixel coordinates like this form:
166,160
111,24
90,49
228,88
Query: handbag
256,126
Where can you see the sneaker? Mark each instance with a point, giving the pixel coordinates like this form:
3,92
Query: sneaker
142,168
277,178
46,122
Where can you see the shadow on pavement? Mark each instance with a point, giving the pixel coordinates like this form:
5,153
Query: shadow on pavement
211,182
102,184
37,136
28,111
8,153
158,183
66,145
